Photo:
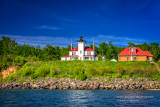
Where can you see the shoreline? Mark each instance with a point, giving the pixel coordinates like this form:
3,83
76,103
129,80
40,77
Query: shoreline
89,84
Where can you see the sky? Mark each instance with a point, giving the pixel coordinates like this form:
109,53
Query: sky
56,22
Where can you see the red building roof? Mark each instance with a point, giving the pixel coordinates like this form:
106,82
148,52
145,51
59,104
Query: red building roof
137,51
86,49
74,49
70,56
87,55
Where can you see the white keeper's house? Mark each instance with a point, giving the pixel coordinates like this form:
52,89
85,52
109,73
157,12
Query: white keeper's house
82,52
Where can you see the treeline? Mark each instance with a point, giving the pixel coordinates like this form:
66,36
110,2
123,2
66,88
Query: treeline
13,54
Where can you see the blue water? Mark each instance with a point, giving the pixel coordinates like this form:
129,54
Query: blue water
79,98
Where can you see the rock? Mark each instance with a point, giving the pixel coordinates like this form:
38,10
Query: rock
35,86
89,84
84,84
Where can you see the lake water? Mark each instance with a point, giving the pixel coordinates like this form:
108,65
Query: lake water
79,98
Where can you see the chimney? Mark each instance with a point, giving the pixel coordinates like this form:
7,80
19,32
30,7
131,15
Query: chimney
71,45
93,45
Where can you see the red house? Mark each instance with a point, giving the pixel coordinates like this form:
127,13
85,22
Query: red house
134,54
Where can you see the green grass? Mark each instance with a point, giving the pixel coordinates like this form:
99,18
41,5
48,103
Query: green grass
86,69
158,63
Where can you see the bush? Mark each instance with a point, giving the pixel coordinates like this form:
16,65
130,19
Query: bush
27,71
99,58
93,71
41,71
3,65
120,70
129,71
104,70
52,71
78,73
1,75
19,60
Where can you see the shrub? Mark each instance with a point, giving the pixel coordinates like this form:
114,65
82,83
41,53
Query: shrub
19,60
129,71
57,71
27,70
135,69
41,71
99,58
105,70
1,75
78,73
52,71
120,70
93,71
3,65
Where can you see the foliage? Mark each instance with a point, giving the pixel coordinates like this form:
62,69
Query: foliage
13,54
99,58
87,69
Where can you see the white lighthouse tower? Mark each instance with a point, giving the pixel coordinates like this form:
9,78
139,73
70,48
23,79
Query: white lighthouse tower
81,47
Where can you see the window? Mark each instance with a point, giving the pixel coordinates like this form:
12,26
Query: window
134,58
86,58
89,53
73,53
132,50
76,58
127,58
80,52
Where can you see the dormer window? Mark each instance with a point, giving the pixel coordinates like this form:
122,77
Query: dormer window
132,50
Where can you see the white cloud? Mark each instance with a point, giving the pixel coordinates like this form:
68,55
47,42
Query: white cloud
65,41
119,40
40,40
48,27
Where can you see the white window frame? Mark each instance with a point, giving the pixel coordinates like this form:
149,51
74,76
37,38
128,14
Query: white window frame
132,50
134,58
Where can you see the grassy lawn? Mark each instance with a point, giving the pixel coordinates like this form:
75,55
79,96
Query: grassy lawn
86,69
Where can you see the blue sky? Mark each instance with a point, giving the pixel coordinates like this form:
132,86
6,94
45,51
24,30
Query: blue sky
55,22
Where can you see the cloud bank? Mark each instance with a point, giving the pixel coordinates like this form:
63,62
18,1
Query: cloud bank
42,41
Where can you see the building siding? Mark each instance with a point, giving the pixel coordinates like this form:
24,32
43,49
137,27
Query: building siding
139,58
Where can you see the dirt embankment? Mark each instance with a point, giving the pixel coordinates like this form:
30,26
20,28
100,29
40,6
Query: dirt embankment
8,72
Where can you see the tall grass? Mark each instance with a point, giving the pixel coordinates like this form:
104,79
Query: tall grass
87,69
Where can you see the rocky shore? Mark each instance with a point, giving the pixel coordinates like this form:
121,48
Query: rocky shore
88,84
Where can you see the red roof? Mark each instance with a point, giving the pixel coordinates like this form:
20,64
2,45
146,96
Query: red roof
70,56
127,51
87,55
74,49
86,49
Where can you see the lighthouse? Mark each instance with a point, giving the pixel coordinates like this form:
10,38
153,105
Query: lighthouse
82,52
81,47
